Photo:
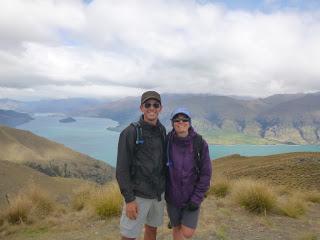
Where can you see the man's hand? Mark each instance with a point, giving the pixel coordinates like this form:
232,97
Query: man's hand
132,210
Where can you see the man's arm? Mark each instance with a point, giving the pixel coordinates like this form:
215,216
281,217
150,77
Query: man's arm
124,162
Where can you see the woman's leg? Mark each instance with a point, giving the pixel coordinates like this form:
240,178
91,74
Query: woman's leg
181,232
186,231
176,233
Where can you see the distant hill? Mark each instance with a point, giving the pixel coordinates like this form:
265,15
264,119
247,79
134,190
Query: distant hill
9,104
49,157
280,118
12,118
295,170
286,118
68,106
15,177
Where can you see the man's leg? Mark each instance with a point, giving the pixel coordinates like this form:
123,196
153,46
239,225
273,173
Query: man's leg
150,233
131,229
154,218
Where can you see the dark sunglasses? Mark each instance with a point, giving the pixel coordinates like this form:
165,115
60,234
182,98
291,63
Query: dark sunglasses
180,120
148,105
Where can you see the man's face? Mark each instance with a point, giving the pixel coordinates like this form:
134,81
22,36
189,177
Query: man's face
151,109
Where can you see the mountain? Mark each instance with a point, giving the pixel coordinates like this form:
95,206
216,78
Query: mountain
68,106
9,104
12,118
49,157
282,118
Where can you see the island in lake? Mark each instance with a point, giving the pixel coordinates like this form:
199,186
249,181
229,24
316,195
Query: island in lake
67,120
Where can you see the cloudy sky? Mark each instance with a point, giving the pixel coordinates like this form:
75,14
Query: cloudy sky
103,48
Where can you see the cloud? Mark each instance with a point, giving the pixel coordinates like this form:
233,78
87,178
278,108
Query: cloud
56,47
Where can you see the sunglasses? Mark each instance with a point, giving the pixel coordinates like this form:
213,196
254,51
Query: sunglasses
148,105
180,120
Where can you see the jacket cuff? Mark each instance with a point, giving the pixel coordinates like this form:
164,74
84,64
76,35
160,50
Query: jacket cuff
128,199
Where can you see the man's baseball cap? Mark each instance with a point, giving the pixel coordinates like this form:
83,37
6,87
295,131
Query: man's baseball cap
150,95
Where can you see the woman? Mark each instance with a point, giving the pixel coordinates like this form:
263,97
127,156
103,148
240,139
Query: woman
189,174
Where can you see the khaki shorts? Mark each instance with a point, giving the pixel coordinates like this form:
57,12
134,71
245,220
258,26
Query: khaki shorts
150,212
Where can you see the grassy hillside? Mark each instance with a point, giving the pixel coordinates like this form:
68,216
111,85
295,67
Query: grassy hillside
235,208
16,177
295,170
49,157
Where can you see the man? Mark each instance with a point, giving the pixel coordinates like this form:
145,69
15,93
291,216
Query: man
140,171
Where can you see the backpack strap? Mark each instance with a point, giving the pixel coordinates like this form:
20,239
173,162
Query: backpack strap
139,140
138,128
197,149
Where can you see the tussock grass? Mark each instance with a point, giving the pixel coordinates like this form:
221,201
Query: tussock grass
312,196
31,205
220,187
293,207
42,203
254,196
107,201
308,236
18,210
81,197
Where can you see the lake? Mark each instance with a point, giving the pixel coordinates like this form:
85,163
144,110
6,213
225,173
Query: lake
91,136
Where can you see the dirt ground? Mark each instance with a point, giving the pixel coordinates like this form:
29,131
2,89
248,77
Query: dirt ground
220,220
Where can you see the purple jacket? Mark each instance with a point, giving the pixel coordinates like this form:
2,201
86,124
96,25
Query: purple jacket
182,183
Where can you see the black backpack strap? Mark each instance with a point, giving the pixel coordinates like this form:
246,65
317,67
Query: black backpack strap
138,129
139,140
197,149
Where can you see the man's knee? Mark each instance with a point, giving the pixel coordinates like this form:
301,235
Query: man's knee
150,229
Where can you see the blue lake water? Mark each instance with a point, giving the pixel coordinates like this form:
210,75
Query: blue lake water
90,136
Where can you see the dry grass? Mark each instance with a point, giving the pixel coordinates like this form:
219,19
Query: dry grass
254,196
81,197
308,236
220,187
42,203
107,201
18,210
312,196
30,205
293,207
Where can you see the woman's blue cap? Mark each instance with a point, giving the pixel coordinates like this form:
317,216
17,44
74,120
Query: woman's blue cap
181,110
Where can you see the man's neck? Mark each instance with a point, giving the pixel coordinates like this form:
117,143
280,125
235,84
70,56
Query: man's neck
154,122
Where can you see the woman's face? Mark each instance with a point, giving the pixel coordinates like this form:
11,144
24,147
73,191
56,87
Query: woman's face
181,124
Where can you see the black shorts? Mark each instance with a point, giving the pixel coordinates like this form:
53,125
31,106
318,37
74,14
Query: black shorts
182,216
